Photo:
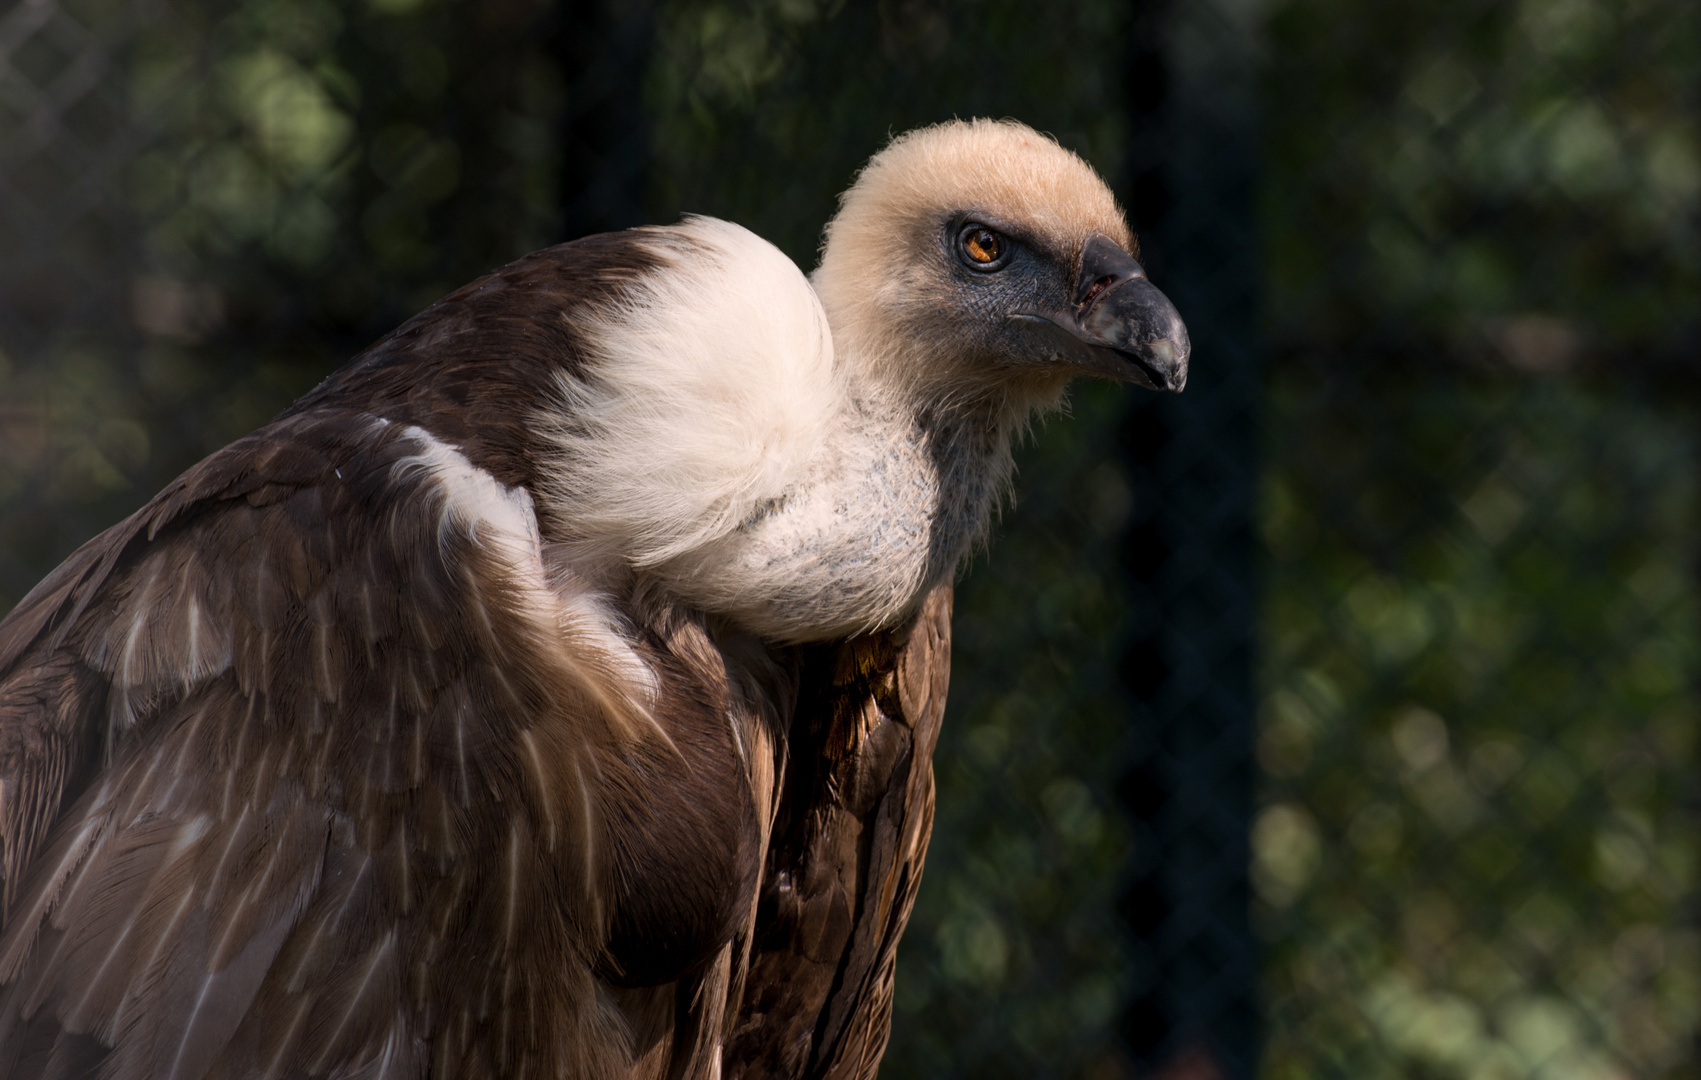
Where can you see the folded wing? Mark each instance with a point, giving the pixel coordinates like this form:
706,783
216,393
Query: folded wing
301,773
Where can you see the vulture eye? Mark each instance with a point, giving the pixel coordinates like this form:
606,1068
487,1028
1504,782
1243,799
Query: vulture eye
981,248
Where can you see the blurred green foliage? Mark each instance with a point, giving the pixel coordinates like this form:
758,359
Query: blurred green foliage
1477,848
1434,166
1477,853
204,207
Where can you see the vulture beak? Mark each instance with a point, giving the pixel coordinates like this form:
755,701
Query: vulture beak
1121,327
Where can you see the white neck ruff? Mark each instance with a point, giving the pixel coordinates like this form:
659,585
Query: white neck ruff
717,446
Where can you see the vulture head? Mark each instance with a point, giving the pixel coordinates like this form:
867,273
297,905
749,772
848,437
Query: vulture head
982,257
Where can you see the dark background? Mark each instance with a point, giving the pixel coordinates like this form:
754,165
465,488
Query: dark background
1335,719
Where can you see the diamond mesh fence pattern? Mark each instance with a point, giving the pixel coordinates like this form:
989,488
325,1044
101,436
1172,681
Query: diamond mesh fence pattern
1476,849
1477,852
65,131
1442,261
203,206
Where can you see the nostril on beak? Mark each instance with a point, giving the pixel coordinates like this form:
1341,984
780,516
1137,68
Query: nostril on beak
1095,289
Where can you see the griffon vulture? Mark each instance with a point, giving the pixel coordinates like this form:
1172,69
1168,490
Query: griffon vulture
551,692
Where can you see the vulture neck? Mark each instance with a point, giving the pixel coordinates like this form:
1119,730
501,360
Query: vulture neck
898,494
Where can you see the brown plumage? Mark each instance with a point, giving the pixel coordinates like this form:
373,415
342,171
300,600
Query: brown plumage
357,752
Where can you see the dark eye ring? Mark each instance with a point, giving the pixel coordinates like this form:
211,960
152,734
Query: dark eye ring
981,248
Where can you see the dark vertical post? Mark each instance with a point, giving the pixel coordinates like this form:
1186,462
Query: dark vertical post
1191,84
603,46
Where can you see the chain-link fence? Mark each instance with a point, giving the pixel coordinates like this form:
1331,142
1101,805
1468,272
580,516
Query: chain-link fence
204,206
1476,852
1461,433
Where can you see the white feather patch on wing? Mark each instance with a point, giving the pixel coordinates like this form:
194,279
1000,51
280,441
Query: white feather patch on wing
707,391
586,634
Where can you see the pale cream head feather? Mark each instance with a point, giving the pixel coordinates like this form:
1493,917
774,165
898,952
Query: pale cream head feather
880,256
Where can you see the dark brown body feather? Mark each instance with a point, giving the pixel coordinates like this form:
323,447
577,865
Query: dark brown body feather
295,781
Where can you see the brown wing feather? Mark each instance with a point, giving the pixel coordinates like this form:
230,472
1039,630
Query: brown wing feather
50,738
324,790
846,854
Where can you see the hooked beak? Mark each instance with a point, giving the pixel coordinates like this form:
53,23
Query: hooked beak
1120,327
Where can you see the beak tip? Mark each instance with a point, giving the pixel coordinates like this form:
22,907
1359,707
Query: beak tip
1167,358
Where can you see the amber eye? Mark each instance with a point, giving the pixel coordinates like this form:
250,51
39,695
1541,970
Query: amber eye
982,248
